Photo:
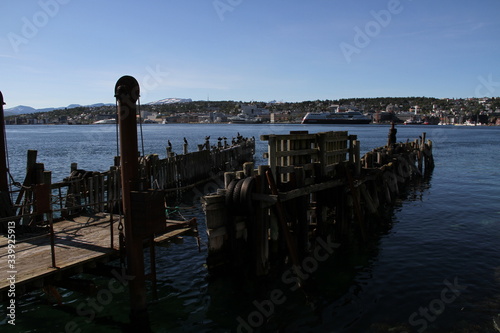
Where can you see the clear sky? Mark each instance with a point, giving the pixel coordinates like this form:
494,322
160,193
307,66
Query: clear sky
58,52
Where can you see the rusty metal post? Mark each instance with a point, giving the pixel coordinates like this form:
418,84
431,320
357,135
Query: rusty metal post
127,94
4,180
391,140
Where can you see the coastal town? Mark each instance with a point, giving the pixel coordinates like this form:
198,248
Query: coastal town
408,110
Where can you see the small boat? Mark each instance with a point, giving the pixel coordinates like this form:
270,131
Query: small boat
244,119
414,121
105,121
349,117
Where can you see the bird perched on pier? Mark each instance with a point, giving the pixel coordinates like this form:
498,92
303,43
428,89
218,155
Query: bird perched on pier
185,141
219,138
207,138
169,143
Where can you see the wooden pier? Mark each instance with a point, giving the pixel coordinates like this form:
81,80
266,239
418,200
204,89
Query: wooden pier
315,185
95,197
81,244
51,231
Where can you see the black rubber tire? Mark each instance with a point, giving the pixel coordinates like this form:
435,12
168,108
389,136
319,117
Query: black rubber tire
229,192
247,189
236,197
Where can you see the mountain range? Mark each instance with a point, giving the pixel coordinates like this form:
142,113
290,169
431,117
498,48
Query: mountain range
23,109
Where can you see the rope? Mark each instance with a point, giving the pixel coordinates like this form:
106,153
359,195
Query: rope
117,138
140,123
7,160
121,236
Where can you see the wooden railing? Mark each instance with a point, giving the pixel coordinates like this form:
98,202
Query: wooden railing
88,192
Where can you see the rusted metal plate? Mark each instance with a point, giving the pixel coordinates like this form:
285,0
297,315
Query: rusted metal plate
42,198
148,212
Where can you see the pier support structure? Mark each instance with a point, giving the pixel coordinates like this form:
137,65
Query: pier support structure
127,93
323,190
5,202
4,186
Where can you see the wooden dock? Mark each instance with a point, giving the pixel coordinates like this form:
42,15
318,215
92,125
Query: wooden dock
86,233
91,217
315,186
80,243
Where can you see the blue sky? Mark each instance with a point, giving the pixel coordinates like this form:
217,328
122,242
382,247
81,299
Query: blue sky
58,52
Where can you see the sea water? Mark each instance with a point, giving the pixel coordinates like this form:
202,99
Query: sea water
436,269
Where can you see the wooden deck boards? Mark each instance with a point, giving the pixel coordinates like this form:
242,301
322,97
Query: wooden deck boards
77,242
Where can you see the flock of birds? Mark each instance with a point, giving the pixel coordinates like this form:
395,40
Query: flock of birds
235,140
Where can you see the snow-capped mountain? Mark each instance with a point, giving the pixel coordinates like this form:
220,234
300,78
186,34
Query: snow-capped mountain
23,109
170,101
20,109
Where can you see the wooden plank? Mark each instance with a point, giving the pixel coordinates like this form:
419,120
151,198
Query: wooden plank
78,241
301,152
280,137
285,196
171,234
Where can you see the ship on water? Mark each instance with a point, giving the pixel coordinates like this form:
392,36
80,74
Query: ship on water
335,117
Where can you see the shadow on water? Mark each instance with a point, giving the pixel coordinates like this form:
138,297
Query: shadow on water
276,303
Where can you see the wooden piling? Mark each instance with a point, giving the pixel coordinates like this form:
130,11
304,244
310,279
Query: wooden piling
6,208
4,181
127,93
324,185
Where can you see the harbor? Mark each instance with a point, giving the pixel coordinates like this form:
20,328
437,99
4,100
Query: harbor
53,231
320,220
235,166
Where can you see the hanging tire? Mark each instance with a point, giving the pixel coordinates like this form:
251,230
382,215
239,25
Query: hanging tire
247,189
236,197
229,194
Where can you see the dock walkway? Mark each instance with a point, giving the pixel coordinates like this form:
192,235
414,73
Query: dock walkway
82,241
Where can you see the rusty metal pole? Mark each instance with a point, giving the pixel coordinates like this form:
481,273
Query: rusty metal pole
127,94
4,180
391,140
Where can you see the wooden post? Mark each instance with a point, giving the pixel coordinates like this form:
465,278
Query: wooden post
322,157
228,177
248,169
391,140
357,158
272,154
352,139
47,180
4,177
127,93
302,204
4,180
